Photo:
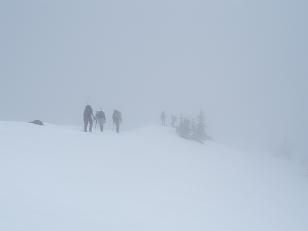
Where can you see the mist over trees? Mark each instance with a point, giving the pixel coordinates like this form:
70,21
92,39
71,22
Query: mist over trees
189,128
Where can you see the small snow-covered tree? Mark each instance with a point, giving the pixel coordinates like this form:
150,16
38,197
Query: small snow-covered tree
183,129
193,129
200,133
173,121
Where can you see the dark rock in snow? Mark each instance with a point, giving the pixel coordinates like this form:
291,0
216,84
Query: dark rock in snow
37,122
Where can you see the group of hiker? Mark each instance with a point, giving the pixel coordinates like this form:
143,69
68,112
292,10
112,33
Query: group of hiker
100,119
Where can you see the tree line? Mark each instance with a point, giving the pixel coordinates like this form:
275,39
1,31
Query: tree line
188,128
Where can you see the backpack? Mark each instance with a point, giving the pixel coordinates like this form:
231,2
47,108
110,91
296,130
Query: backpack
117,116
100,115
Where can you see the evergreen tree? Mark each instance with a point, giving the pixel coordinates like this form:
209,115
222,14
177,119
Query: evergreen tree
173,121
193,129
183,128
200,132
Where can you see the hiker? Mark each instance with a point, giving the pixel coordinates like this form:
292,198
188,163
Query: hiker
100,118
88,118
117,119
163,118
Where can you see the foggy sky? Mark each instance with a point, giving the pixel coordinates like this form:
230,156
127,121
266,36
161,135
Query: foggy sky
243,62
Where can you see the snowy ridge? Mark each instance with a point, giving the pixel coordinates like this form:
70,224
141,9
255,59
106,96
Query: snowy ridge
59,178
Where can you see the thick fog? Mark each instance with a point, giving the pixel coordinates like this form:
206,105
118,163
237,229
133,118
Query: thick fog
243,62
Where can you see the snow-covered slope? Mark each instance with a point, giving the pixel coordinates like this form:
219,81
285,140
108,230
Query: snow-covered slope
60,179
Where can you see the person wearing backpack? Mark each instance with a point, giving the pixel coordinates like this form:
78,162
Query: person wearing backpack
88,118
117,119
100,119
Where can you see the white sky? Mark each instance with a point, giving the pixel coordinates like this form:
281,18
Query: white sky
243,62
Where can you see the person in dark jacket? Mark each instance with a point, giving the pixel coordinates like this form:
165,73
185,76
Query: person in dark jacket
88,118
117,119
100,119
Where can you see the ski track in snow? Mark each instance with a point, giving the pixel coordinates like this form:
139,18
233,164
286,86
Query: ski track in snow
59,178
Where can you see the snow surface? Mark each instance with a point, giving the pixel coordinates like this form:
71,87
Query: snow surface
59,178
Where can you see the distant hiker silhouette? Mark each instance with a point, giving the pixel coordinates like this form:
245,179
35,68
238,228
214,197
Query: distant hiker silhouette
117,119
88,118
163,118
100,118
